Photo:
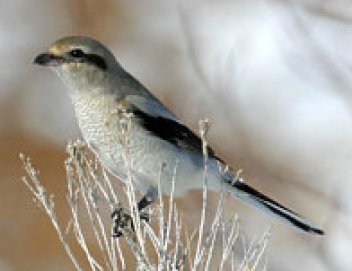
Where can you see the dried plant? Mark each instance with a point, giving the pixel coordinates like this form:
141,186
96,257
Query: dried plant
162,243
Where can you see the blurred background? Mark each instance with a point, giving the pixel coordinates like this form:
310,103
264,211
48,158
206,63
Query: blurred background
273,76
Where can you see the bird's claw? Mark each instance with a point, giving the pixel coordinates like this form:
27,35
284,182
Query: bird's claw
122,221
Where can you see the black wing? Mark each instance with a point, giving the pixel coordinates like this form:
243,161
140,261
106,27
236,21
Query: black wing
172,131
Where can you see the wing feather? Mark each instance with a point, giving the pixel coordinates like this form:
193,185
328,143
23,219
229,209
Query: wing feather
159,121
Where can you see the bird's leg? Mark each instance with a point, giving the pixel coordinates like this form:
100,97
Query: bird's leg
122,218
148,198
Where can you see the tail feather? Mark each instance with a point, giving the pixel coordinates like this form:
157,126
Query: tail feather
259,200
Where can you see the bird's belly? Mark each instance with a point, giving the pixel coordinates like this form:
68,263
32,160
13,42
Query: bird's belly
148,158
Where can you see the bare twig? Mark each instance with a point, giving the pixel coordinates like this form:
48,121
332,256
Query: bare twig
90,194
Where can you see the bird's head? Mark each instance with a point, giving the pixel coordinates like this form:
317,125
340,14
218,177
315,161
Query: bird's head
82,62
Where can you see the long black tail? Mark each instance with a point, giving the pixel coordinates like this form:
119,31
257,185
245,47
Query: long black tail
259,200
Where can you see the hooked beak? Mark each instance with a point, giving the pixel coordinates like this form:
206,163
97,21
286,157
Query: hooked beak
47,59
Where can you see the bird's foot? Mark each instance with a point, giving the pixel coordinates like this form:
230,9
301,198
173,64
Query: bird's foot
122,221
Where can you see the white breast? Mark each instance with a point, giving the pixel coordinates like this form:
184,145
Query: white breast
100,124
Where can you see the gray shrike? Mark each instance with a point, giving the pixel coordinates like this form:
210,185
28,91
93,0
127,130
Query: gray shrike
101,89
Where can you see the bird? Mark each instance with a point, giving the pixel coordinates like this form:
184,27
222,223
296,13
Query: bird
104,95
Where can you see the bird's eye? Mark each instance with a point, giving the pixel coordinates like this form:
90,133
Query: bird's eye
77,53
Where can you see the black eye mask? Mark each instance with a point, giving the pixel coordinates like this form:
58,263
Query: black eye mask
94,59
